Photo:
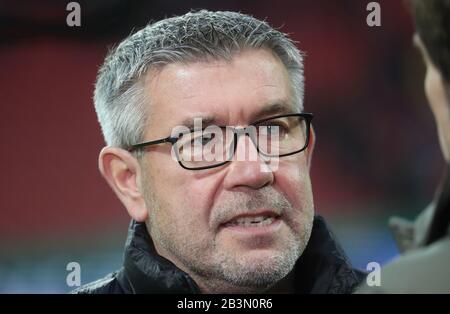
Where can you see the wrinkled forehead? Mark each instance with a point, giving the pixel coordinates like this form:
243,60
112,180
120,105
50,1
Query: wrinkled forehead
253,85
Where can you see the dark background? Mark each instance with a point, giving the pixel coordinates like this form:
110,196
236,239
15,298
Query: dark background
376,155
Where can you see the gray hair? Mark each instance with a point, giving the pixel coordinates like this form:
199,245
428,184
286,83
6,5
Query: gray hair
120,100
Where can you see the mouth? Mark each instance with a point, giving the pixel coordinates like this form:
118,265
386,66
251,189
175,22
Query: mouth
251,221
254,223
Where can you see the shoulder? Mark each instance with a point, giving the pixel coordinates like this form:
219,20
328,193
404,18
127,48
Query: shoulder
113,283
423,270
426,268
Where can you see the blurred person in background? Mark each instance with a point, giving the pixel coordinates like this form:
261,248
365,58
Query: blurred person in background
425,243
207,226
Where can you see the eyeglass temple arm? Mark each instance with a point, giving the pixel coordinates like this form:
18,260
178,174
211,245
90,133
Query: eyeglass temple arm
160,141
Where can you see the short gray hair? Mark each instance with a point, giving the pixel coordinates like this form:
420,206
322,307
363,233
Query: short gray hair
120,101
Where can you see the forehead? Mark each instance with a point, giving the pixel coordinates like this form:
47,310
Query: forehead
232,92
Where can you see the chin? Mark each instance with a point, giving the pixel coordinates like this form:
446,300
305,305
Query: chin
258,272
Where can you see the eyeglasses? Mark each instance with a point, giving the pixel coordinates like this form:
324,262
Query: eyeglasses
214,146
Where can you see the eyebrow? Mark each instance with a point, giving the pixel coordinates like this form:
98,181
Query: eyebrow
280,107
206,121
276,108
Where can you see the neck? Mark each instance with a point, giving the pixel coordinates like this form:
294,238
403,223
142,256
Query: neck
206,285
284,286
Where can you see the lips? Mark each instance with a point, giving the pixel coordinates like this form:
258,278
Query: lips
253,219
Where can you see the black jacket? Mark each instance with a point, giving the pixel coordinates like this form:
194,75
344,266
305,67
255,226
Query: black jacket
322,268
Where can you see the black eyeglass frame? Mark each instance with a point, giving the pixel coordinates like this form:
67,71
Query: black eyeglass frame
236,131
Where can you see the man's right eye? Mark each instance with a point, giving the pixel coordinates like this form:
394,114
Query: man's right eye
203,139
274,129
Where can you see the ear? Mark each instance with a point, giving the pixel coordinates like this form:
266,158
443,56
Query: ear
122,172
312,142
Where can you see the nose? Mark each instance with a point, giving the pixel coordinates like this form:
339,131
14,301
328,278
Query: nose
247,169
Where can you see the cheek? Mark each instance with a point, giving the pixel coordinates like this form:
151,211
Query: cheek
429,87
293,179
435,92
180,213
185,196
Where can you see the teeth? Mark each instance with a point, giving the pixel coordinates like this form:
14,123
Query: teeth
257,221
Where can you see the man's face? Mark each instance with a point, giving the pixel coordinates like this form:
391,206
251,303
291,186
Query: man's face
188,210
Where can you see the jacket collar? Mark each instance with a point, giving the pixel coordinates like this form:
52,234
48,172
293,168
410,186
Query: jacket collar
322,268
148,272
